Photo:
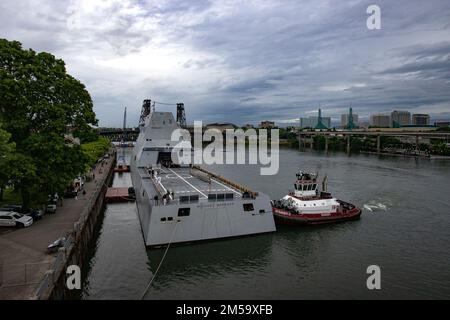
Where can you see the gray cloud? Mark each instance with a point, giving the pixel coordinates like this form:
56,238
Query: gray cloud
245,61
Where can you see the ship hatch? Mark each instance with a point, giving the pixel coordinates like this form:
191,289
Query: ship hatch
165,158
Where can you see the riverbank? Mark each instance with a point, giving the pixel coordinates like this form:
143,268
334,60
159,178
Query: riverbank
26,270
430,157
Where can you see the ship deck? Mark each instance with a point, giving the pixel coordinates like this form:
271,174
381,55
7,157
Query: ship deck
182,182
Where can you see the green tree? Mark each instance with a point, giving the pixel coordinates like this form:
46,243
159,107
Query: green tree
7,149
39,104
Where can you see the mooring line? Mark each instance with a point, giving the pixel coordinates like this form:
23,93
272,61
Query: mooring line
161,262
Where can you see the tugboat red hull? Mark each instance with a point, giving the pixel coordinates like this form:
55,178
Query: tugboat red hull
287,218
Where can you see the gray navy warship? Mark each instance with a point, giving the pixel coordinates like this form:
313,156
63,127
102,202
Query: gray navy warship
184,203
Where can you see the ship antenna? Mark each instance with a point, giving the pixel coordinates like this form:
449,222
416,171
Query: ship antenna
324,184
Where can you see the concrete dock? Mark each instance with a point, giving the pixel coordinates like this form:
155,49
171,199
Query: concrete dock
115,195
23,257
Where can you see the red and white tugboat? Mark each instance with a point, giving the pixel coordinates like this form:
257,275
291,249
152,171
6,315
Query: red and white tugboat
307,206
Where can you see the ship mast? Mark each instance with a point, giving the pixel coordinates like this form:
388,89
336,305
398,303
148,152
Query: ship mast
325,184
124,135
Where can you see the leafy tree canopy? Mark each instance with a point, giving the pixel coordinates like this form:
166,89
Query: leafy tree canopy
39,104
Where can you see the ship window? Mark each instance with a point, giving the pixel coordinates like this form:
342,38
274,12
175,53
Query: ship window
184,199
184,212
262,211
163,219
295,186
194,198
170,219
248,207
314,186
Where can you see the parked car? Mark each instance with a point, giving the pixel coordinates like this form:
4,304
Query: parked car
36,214
50,208
51,203
14,219
71,193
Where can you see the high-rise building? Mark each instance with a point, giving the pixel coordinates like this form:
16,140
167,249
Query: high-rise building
316,122
350,120
380,120
400,118
312,122
421,119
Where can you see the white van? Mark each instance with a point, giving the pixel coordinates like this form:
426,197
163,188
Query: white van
14,219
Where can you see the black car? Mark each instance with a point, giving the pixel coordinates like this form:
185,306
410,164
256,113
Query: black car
33,213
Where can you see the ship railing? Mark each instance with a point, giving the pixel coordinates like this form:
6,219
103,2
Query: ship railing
235,185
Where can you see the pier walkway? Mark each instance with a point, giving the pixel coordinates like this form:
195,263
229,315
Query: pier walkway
23,257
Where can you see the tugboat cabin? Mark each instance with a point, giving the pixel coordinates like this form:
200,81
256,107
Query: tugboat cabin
306,186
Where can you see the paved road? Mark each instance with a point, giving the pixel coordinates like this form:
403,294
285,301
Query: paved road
23,257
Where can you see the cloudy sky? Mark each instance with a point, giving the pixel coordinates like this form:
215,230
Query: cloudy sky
244,61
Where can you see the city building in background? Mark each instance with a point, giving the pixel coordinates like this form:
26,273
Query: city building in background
420,119
267,125
364,124
319,122
312,122
349,121
442,124
380,120
400,118
221,126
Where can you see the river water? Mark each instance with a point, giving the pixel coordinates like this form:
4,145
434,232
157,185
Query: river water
404,229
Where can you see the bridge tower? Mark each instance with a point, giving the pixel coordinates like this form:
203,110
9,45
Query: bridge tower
181,115
146,109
